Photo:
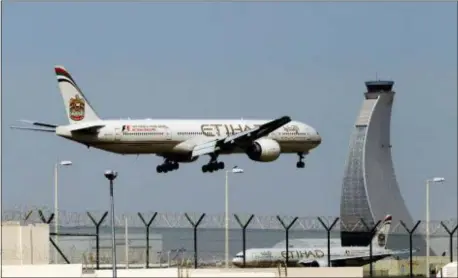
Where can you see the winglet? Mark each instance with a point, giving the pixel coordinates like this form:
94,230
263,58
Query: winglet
284,119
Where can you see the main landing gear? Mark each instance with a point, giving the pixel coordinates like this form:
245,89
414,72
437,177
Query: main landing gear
300,163
167,166
213,165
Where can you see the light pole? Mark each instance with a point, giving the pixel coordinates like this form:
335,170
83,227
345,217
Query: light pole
56,205
111,175
235,170
428,182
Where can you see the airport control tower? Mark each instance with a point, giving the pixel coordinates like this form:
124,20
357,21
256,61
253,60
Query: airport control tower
370,190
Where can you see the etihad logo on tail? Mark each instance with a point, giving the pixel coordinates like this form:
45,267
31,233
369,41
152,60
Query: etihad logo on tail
381,240
76,108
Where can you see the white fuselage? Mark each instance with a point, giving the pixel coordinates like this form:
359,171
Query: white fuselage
268,257
151,136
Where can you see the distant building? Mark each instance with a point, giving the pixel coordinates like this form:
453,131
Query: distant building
370,190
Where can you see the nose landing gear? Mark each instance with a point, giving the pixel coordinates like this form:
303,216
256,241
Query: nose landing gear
300,163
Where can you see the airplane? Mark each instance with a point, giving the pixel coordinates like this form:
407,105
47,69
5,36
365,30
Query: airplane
178,140
317,256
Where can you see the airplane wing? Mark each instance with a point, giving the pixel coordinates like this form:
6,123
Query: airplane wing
241,139
341,259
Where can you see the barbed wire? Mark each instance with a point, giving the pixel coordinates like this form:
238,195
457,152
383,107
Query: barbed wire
210,221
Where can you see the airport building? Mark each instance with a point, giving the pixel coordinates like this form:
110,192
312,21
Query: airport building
370,190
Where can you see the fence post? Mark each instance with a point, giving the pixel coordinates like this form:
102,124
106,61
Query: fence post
371,231
48,221
287,234
97,236
450,233
243,226
410,241
147,225
43,218
27,215
194,226
328,230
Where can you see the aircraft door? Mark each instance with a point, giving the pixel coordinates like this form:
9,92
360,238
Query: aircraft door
168,134
118,134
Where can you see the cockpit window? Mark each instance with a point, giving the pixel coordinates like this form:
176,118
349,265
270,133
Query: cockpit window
239,256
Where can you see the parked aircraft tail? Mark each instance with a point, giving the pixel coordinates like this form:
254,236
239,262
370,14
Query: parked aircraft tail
76,104
380,238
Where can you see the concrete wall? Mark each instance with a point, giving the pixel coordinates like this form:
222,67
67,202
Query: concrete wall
247,272
162,272
325,272
25,244
75,270
63,270
402,267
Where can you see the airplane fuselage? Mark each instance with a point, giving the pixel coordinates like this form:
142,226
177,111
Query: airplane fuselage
178,137
271,257
177,140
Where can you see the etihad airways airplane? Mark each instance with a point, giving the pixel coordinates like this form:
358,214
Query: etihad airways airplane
176,140
317,255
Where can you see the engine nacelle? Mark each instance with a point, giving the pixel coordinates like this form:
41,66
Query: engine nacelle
318,263
264,150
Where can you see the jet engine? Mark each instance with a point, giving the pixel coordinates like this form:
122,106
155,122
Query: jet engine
319,263
264,150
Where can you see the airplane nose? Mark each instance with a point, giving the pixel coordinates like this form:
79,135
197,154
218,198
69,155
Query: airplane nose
316,138
236,262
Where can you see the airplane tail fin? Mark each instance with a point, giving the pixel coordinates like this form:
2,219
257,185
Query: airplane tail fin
77,106
381,237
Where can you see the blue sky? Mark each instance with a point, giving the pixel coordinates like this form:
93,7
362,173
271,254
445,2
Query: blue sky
229,60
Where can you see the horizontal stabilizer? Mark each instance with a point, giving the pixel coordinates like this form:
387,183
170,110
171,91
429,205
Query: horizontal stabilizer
33,128
39,124
86,127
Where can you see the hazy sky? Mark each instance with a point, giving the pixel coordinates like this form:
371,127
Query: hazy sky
229,60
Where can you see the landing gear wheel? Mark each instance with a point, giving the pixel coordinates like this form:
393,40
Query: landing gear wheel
204,168
167,166
300,163
213,165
